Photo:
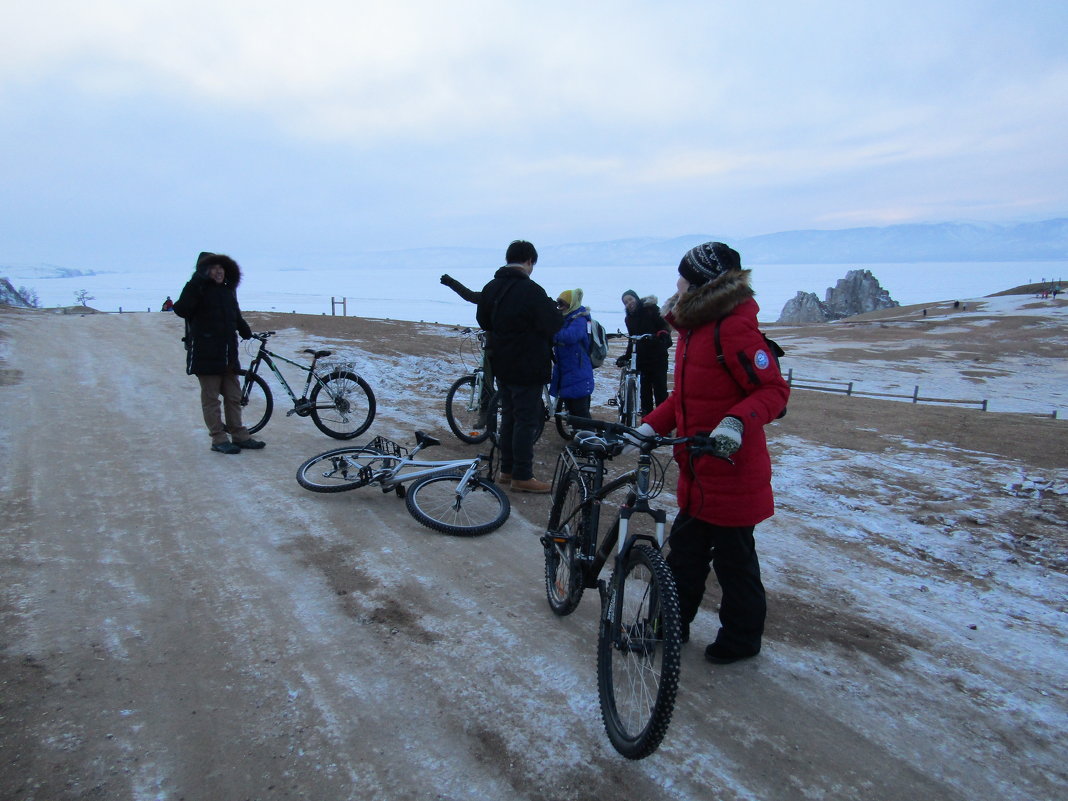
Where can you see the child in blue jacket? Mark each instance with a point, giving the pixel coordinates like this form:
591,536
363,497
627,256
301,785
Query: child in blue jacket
572,371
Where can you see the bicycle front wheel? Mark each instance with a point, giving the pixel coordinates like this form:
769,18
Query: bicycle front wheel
564,541
343,405
468,417
440,503
256,401
638,653
342,469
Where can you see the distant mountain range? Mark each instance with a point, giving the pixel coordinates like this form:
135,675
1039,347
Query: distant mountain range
935,242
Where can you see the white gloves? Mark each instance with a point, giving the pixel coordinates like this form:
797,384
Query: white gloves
727,437
633,444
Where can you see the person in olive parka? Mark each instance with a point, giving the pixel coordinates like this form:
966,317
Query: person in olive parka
213,320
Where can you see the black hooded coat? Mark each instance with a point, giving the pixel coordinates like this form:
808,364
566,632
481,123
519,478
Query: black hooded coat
212,318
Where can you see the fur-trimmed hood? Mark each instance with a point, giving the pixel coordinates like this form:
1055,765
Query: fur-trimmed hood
230,268
710,302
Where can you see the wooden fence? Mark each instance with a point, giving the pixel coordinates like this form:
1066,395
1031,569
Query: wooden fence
846,388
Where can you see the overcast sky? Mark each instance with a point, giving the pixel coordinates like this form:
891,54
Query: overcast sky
299,132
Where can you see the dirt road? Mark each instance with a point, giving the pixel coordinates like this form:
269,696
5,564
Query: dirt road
179,624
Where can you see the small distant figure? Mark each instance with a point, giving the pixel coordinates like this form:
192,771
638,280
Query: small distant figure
168,304
964,307
925,312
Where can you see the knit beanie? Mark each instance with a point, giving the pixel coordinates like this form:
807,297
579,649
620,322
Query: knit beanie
572,297
707,262
630,292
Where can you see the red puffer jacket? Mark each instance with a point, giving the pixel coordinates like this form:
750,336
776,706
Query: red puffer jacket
748,386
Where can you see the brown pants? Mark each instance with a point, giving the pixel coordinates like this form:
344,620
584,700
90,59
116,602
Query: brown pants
211,388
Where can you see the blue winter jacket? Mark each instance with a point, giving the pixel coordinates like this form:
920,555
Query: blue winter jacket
572,371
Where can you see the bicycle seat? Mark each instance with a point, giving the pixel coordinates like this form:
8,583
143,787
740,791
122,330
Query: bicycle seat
318,354
593,443
425,440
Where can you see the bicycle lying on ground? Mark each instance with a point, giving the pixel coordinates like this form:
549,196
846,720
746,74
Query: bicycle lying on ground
454,496
472,405
341,404
629,392
640,630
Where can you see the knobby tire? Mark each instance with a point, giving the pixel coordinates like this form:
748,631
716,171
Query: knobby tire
638,653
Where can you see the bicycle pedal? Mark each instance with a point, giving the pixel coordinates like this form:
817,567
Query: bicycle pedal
612,402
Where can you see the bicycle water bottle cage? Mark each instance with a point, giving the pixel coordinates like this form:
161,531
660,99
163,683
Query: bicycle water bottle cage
594,444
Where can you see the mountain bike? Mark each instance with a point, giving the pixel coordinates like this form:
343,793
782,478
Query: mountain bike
472,405
629,392
454,496
639,635
341,404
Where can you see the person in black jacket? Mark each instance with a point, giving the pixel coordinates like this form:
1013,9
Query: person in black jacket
213,320
520,320
643,317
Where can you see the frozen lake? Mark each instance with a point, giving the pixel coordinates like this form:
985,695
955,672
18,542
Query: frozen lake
415,293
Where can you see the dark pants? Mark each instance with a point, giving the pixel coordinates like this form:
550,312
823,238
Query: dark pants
732,553
580,407
654,388
521,413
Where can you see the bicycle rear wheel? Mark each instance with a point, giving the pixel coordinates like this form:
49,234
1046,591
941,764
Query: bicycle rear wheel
342,469
564,541
441,504
347,408
638,653
256,401
464,414
628,413
563,428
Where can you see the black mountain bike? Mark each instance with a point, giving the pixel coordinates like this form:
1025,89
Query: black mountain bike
341,404
639,636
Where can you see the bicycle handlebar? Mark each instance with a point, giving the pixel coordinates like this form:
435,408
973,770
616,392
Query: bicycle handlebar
262,335
699,444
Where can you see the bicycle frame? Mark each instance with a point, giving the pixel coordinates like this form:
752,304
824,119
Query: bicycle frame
390,478
591,472
264,356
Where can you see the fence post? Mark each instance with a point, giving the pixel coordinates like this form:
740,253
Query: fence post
343,303
849,390
916,394
120,309
984,404
790,377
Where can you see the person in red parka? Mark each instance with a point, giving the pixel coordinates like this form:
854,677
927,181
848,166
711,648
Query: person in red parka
720,501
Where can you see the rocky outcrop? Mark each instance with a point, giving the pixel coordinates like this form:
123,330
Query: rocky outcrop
804,307
9,296
857,293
